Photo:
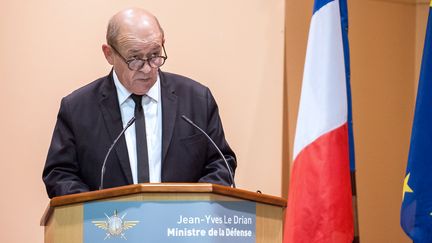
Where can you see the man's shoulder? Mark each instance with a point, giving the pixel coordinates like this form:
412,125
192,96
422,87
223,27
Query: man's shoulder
88,91
181,83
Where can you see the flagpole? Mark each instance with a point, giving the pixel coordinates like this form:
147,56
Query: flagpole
355,208
344,24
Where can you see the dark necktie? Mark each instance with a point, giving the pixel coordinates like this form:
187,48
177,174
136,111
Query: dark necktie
141,140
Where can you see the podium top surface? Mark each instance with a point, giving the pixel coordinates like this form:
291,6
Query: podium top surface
167,188
160,188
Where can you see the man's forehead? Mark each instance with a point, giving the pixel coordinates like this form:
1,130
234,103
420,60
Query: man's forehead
148,47
130,40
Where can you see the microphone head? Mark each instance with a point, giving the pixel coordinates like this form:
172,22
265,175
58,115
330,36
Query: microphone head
132,120
186,119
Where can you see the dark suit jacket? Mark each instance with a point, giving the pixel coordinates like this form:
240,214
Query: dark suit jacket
89,120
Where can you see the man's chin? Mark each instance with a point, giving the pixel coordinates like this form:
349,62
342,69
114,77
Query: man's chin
142,89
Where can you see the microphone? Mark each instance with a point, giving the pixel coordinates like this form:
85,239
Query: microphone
130,122
216,147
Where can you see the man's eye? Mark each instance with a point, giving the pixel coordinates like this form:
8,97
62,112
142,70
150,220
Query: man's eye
154,54
132,58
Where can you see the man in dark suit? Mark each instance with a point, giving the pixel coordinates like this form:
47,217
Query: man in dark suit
170,150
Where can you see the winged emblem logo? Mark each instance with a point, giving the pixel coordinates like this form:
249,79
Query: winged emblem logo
115,226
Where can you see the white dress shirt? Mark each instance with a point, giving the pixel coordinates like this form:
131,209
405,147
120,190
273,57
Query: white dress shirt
151,103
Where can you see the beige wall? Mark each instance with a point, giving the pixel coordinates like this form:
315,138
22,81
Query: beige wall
50,47
382,81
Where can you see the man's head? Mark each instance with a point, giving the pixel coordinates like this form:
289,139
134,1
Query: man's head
134,34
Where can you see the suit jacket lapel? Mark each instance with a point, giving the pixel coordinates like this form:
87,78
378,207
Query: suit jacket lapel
112,118
169,113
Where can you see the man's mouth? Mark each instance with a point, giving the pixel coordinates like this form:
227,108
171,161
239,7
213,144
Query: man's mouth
143,79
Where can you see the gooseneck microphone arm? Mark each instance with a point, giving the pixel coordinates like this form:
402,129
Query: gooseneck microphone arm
214,145
130,122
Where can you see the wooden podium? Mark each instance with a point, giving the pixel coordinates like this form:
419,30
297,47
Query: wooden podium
228,214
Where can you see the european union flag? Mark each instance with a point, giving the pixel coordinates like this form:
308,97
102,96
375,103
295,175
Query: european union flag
416,210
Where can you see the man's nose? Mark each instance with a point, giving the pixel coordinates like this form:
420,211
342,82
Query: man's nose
146,68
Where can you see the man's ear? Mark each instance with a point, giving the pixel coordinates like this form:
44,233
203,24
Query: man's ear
108,53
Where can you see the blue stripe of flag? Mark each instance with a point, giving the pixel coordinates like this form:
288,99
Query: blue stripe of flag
319,4
344,22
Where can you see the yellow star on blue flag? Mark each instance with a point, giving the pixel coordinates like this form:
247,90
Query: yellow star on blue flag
406,187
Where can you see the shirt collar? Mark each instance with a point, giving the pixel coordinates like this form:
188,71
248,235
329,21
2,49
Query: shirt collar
123,94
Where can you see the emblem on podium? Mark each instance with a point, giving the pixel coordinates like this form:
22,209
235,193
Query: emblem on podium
115,226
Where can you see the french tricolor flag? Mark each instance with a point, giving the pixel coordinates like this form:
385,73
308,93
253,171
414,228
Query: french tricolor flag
320,200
